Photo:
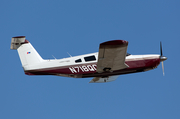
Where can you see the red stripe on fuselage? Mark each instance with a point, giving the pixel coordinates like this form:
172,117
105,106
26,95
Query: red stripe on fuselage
89,70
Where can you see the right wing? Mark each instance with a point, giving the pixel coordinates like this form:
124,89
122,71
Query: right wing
112,56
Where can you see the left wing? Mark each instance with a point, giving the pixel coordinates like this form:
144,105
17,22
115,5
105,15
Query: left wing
103,80
112,56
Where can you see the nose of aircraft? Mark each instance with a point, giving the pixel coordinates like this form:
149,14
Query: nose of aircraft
163,58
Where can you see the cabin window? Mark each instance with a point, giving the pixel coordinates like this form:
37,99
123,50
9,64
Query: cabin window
90,58
78,60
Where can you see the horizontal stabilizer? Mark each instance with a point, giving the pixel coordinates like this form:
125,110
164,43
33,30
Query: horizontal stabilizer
104,79
16,42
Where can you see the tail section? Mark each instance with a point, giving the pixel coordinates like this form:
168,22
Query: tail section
28,55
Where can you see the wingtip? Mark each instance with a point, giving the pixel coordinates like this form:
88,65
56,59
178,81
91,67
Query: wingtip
91,81
115,42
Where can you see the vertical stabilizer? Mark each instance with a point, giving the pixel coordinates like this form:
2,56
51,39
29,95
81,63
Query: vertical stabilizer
28,55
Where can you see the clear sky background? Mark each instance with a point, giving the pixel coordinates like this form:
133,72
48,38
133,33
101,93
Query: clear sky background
55,27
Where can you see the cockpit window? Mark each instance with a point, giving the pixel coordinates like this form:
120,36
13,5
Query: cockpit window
78,60
90,58
127,54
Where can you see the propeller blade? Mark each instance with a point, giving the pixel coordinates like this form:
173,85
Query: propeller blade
162,58
163,67
161,49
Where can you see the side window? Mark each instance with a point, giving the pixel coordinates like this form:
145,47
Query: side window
78,60
90,58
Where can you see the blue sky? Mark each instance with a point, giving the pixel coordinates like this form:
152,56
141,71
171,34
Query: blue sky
78,27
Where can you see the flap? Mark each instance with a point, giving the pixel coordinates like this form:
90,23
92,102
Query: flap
112,56
16,42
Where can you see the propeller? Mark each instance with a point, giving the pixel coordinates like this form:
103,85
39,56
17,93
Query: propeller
162,58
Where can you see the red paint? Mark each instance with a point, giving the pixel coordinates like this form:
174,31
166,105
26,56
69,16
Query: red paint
28,73
148,63
134,66
19,37
66,70
115,42
26,41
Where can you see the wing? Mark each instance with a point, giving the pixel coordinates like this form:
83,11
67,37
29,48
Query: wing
103,80
112,56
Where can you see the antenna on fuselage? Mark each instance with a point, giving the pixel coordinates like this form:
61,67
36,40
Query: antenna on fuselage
69,54
53,56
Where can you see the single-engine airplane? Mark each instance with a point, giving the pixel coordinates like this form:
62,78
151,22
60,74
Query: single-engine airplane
106,65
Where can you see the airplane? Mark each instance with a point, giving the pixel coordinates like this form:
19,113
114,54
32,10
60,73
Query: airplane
106,65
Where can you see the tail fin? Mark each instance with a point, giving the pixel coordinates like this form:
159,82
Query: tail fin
28,55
